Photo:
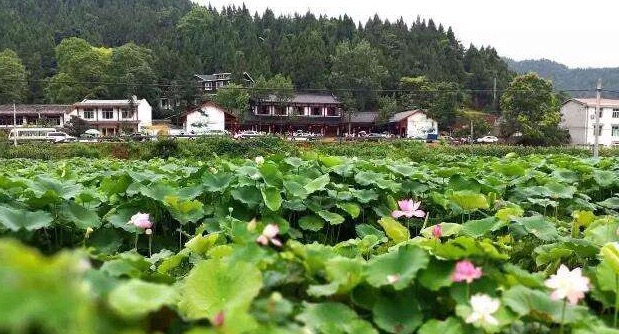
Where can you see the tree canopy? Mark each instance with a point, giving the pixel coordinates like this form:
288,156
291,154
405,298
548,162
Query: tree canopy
531,108
13,85
152,48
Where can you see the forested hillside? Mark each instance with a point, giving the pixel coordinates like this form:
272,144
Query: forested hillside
577,82
153,48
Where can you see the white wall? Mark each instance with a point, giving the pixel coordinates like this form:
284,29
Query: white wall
145,114
574,118
579,120
419,125
211,118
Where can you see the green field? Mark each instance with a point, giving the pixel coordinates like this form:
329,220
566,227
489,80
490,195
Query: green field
309,243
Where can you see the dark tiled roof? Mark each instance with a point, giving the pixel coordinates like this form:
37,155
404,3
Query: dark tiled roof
402,115
307,98
43,109
213,77
362,117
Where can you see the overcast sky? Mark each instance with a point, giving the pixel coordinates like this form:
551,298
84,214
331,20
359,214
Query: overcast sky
574,33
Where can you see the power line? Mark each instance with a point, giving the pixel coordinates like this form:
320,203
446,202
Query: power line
187,84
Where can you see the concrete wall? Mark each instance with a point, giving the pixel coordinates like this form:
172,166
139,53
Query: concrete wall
579,120
210,118
419,126
145,114
574,118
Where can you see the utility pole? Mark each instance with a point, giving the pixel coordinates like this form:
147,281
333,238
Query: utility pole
596,126
494,94
14,125
471,141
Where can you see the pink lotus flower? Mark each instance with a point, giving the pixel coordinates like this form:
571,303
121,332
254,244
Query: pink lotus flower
408,208
218,320
568,284
141,220
269,233
437,232
466,271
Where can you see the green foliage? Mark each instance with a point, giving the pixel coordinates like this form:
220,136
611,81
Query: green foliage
13,85
233,98
344,264
357,67
137,298
440,99
531,108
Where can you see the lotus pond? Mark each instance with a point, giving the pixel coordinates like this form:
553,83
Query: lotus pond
310,244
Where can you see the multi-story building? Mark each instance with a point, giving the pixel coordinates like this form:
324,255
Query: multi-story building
113,117
578,117
209,83
309,112
44,115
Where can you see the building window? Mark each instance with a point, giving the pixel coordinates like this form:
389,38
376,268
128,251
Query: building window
126,114
107,114
280,111
601,112
332,111
263,110
89,114
299,111
597,131
615,131
615,113
316,111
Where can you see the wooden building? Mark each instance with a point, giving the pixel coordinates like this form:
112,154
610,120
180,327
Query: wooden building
47,115
311,112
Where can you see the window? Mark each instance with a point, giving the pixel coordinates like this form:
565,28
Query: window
300,111
615,130
601,112
89,114
280,110
597,131
615,113
332,111
108,114
126,114
263,110
316,111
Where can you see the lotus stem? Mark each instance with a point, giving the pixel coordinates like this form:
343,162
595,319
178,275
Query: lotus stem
616,300
562,316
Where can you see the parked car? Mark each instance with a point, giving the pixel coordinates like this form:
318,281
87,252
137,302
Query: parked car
248,134
299,135
59,137
138,137
487,139
376,136
214,133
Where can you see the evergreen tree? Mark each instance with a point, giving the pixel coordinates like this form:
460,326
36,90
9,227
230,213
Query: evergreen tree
13,85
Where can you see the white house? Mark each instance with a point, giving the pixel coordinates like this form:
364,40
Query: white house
578,117
112,117
413,124
208,116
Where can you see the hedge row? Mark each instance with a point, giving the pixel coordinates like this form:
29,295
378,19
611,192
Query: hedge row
206,148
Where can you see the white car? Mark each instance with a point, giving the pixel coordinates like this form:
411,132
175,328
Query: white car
248,134
58,137
487,139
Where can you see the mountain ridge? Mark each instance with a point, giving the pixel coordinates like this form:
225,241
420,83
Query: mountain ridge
577,82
